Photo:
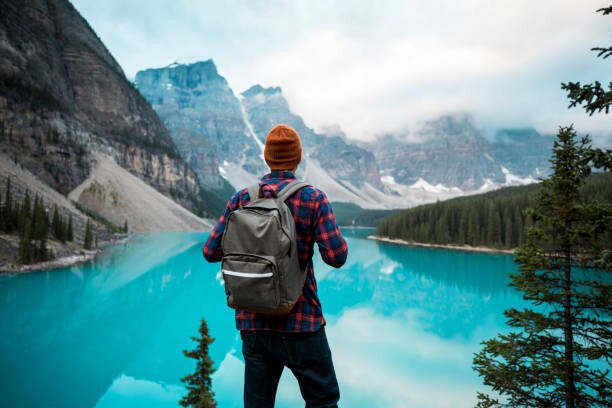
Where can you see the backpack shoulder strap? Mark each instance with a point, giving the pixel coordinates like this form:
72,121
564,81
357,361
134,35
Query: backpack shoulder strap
291,188
253,192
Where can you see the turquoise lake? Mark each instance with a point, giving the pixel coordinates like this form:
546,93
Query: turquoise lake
403,324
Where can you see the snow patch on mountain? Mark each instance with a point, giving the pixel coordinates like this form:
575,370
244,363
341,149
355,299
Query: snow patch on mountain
420,192
249,127
488,185
424,185
513,180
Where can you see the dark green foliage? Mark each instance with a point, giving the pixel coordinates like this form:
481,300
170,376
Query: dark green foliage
6,209
69,230
595,97
62,229
10,212
604,52
88,239
25,210
199,384
32,225
40,227
30,221
211,203
59,226
26,249
125,227
562,353
495,219
56,223
565,271
492,219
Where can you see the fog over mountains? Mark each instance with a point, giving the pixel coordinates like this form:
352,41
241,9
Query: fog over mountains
221,135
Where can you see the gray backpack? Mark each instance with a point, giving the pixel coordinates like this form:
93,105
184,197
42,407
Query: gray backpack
260,263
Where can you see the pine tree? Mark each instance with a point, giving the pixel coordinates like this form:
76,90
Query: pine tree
88,240
545,364
125,227
7,209
55,223
25,211
69,230
199,384
25,242
39,219
594,97
40,227
493,226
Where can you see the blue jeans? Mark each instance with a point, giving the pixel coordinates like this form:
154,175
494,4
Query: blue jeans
308,357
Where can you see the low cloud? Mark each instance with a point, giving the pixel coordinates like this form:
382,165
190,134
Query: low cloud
376,67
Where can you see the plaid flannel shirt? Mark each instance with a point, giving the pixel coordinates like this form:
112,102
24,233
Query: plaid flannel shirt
314,222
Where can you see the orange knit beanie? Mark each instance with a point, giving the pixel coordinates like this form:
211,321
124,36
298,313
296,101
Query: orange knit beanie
283,150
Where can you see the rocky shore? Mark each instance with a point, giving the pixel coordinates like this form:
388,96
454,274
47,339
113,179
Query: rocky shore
443,246
64,254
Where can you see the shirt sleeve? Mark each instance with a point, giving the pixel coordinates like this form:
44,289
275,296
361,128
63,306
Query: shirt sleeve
212,248
332,246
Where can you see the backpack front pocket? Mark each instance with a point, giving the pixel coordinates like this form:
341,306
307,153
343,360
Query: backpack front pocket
251,282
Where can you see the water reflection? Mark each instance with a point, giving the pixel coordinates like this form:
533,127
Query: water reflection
402,323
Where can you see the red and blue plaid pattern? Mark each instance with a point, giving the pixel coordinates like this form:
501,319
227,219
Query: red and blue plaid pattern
314,222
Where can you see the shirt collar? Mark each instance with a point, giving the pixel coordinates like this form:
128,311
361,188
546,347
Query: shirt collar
279,174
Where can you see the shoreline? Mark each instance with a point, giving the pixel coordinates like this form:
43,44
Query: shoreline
467,248
357,227
62,262
76,258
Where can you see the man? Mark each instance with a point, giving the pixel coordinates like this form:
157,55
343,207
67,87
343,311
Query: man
297,340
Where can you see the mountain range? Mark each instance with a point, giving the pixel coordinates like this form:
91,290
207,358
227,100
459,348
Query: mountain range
75,131
72,121
221,135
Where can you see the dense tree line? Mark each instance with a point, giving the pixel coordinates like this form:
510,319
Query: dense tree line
496,219
29,219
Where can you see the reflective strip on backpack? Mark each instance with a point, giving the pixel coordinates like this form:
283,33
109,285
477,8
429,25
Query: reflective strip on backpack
246,274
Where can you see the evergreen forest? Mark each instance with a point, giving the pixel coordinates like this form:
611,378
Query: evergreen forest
31,221
495,219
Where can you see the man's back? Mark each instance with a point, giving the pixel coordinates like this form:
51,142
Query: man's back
297,340
315,223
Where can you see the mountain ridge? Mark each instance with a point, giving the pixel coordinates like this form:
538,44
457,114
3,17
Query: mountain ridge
452,156
65,100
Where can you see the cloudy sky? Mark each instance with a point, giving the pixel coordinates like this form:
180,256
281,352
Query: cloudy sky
379,66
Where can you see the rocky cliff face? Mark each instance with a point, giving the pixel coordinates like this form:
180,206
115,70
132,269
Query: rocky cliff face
454,153
204,117
343,160
267,107
63,95
222,136
523,151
